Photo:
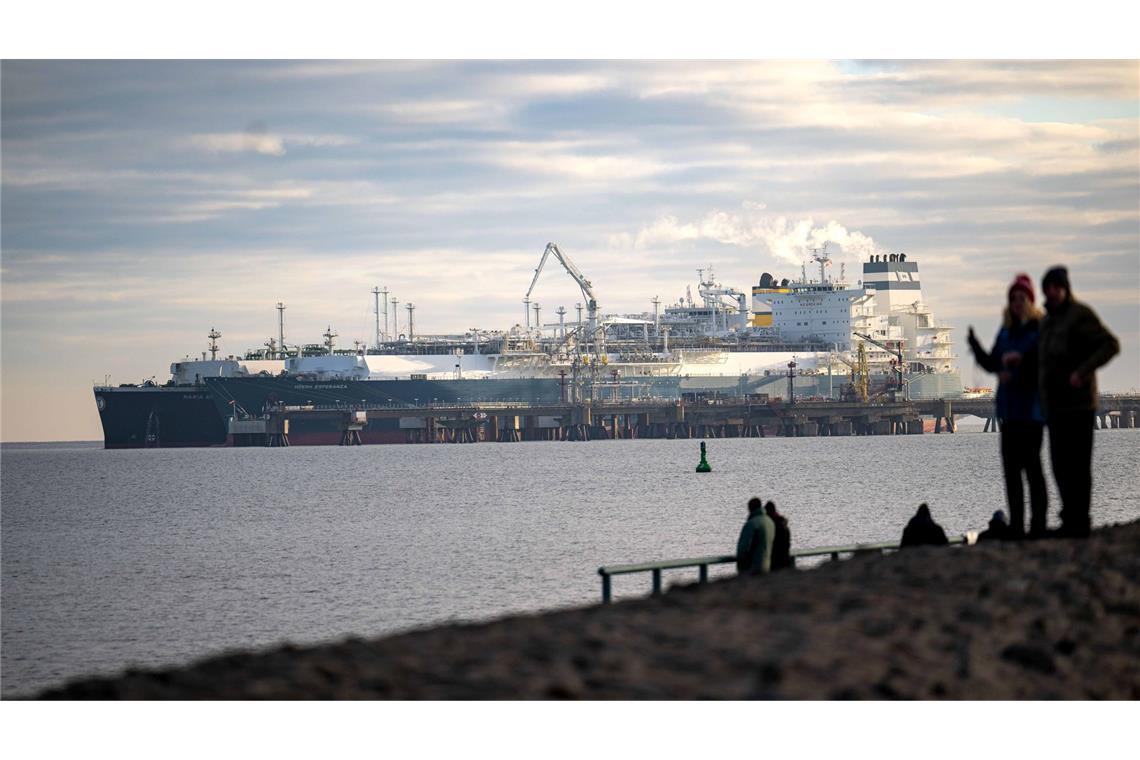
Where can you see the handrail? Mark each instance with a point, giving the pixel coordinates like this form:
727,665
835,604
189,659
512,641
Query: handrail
702,563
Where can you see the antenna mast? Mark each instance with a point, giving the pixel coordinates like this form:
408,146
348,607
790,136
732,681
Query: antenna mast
820,255
329,335
376,299
281,328
213,336
387,335
561,312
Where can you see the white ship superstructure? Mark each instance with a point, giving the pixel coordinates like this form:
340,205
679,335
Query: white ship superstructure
820,324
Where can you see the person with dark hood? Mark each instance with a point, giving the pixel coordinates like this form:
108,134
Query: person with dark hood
1072,346
922,530
998,530
1018,405
782,542
754,547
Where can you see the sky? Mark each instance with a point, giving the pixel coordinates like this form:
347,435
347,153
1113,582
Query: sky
145,202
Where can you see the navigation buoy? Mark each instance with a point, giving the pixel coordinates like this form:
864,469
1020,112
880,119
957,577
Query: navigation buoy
704,465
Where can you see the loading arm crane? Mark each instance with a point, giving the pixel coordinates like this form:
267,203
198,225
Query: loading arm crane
900,367
585,285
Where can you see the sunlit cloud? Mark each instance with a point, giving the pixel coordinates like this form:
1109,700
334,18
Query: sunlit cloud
791,241
240,142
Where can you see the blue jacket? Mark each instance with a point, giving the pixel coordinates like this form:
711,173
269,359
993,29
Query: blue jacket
1017,398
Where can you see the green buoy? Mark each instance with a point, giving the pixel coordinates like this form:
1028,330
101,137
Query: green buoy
704,465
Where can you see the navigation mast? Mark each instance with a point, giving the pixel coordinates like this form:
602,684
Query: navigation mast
213,336
820,256
281,328
376,299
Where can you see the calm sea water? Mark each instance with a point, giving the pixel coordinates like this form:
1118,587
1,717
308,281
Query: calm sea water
159,557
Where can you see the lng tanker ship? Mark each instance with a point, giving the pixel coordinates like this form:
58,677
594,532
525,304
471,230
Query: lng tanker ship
879,331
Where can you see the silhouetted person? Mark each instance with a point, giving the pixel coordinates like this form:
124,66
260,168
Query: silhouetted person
998,529
1018,404
754,547
782,542
1073,345
923,531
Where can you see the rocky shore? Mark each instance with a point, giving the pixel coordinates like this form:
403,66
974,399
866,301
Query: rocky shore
1030,620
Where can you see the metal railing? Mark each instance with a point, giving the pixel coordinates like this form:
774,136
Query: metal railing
702,563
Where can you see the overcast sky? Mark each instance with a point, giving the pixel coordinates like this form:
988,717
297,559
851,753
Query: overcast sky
144,203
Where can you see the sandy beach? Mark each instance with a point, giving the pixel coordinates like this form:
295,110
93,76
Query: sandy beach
1053,619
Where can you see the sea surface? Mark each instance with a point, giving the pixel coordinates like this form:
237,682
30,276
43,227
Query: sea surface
160,557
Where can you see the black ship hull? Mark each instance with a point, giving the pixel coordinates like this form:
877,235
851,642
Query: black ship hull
160,417
198,415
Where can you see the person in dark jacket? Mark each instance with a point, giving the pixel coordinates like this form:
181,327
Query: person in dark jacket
998,529
1018,405
1072,346
923,531
754,547
782,543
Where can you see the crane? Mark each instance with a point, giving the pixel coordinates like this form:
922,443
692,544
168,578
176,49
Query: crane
900,367
585,285
857,389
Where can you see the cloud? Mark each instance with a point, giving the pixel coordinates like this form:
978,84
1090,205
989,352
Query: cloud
239,142
788,240
218,202
553,85
320,141
586,160
950,81
436,111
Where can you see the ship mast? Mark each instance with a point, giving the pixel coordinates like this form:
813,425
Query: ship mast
281,328
329,335
387,335
376,299
213,336
820,255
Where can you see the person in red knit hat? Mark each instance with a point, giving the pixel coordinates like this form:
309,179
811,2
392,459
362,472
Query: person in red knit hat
1018,405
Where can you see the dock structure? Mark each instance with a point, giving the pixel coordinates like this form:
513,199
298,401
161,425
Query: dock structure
726,417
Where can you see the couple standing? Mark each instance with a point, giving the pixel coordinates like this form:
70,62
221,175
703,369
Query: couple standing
1046,366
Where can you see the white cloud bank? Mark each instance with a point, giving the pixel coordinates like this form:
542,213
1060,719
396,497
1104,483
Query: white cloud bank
788,240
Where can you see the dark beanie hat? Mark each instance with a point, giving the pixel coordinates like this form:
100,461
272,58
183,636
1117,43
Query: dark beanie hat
1056,276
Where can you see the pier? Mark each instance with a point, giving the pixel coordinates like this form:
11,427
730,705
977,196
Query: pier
719,417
